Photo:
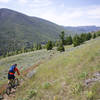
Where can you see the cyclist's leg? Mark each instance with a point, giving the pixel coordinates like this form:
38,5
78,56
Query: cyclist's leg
13,81
9,78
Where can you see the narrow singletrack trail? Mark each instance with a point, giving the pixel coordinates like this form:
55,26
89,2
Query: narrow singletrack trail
24,73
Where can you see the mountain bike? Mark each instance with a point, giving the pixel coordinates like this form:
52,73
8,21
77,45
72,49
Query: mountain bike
12,84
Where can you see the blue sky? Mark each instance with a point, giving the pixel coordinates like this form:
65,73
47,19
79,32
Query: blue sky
62,12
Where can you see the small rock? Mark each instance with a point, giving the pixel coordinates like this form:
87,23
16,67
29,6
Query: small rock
96,77
30,74
97,74
1,97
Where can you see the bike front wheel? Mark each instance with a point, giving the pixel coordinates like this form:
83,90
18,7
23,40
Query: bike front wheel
16,82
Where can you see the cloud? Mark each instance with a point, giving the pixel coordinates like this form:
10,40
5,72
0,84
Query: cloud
22,1
94,12
58,13
74,16
4,1
35,3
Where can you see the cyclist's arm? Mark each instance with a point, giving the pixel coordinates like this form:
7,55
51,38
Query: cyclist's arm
16,69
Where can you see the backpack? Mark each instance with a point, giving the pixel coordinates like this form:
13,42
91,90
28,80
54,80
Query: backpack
12,69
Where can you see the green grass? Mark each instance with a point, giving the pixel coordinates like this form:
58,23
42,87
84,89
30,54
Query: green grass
26,60
68,46
65,73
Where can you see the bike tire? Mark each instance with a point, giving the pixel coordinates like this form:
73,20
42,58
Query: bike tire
8,90
16,82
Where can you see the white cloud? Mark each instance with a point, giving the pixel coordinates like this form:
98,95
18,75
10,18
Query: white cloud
40,3
23,1
94,12
74,16
35,3
4,1
62,15
59,13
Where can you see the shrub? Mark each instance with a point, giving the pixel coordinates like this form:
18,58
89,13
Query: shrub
83,75
46,85
32,93
89,95
76,88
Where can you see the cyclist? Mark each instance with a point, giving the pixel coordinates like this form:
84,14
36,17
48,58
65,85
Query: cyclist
11,73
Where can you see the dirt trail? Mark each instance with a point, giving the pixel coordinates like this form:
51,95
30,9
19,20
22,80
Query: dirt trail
6,97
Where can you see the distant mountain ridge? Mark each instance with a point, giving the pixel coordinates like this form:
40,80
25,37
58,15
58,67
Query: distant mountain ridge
82,29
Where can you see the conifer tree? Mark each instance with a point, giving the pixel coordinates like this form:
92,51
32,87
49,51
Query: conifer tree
62,37
89,36
76,40
49,45
68,40
61,47
94,36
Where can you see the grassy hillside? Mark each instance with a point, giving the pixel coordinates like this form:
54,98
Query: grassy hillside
63,77
24,60
18,30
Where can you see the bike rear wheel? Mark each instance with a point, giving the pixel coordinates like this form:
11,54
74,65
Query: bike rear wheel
8,90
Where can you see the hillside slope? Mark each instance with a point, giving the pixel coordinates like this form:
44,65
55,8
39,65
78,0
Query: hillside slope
18,30
19,26
63,77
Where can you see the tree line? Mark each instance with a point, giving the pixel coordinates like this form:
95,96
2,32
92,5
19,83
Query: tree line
75,40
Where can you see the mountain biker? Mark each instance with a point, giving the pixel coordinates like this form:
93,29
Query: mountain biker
12,71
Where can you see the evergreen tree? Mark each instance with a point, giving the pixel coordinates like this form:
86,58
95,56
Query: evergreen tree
68,40
89,36
16,51
22,50
62,37
54,44
39,47
57,43
61,47
83,37
76,40
36,47
49,45
94,36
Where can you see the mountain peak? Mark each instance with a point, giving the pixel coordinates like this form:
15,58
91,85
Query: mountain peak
5,12
5,9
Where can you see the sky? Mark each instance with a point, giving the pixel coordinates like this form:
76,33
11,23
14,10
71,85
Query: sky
62,12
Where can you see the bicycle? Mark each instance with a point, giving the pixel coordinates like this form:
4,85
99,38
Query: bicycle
12,84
